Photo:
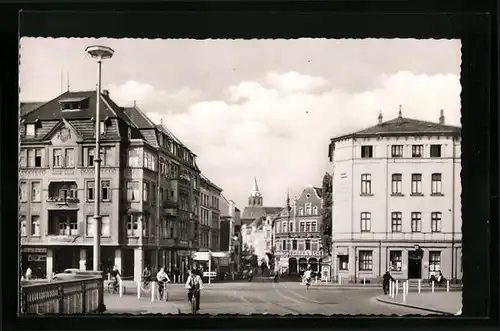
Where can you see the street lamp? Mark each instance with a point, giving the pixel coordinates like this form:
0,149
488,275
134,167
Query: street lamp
99,53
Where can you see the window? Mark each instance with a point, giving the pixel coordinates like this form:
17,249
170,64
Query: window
301,245
153,193
366,184
366,152
434,261
313,226
436,222
34,158
69,158
395,258
343,262
308,227
102,127
397,184
314,245
145,227
22,158
105,226
36,192
58,161
68,226
417,150
35,225
134,157
30,130
315,210
308,209
291,226
145,191
397,150
284,227
302,228
366,219
365,260
23,191
90,157
301,211
107,156
308,244
23,225
294,245
133,226
416,184
416,222
397,222
133,191
106,190
436,184
90,190
435,150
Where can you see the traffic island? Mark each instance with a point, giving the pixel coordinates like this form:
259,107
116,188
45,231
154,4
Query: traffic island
447,303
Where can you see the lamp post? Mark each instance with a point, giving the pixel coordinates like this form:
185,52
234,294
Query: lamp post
99,53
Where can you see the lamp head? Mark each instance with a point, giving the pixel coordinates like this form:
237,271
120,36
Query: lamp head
100,52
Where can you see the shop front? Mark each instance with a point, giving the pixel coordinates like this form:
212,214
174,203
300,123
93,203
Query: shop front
36,259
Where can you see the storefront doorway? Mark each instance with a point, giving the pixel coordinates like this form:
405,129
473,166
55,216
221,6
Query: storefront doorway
414,265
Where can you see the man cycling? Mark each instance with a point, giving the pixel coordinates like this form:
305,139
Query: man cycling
146,276
162,278
115,274
194,284
307,276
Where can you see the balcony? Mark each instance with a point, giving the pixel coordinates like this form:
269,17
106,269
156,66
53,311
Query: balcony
63,226
170,204
63,195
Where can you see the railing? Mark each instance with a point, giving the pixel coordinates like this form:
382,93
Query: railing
62,297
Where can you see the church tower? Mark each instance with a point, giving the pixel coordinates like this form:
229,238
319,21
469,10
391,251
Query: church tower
255,197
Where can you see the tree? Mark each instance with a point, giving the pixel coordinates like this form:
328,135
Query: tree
326,214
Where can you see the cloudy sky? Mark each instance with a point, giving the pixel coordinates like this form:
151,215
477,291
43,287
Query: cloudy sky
263,108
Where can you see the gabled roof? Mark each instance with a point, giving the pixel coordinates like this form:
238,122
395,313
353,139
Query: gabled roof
209,182
318,191
138,118
172,136
272,210
59,125
27,107
51,110
401,126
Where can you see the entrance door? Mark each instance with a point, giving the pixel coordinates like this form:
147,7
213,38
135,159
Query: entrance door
292,266
414,265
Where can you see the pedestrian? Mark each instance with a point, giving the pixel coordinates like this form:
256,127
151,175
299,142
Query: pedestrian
28,273
385,282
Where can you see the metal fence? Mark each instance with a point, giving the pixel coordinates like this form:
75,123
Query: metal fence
62,297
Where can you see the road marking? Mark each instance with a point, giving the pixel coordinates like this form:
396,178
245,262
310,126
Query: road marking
302,297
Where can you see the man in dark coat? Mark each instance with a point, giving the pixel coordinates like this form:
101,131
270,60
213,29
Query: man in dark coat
385,282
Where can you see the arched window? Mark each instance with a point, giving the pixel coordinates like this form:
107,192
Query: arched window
301,211
315,210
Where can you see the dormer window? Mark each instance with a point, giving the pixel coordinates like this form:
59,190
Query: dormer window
30,130
73,104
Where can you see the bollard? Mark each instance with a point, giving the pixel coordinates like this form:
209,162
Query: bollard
419,286
138,290
390,287
393,289
340,280
316,280
153,291
364,281
407,287
109,277
121,288
447,286
404,291
397,287
432,287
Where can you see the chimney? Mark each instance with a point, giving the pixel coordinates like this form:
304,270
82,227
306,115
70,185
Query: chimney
441,117
380,118
400,113
105,92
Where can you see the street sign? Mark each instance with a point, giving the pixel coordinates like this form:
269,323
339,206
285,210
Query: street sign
201,256
210,274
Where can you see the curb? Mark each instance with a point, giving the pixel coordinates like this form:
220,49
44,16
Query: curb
389,302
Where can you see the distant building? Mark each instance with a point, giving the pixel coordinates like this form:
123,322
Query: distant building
396,200
253,234
297,235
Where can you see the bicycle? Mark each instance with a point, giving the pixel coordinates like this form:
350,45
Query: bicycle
194,302
308,283
146,285
114,288
162,290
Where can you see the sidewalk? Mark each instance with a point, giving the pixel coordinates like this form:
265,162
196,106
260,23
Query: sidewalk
438,302
128,304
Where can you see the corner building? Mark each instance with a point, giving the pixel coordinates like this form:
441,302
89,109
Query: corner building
149,188
396,195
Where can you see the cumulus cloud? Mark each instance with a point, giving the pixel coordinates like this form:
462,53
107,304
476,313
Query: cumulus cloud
278,129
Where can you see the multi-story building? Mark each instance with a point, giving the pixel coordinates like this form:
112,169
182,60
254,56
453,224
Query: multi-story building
149,188
396,200
212,193
297,236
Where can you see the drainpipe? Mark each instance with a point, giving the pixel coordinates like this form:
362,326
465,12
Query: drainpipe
453,264
158,206
352,192
380,258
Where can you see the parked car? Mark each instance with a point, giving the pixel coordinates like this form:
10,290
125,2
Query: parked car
75,274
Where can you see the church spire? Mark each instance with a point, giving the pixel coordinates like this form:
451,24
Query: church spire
255,197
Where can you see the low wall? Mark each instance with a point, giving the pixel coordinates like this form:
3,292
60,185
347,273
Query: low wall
62,297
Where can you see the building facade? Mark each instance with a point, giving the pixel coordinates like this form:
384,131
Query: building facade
297,233
396,200
150,188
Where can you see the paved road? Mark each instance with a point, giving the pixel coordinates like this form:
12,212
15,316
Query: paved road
284,298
